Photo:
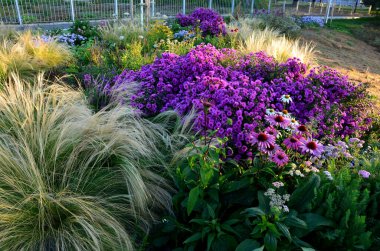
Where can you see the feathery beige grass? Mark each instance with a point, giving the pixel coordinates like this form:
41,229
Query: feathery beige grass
71,179
278,46
29,54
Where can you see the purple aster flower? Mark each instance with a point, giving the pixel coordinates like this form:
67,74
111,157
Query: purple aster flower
280,158
262,139
365,174
293,142
311,146
278,120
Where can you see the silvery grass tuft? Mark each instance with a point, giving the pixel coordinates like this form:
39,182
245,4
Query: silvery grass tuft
71,179
28,54
278,46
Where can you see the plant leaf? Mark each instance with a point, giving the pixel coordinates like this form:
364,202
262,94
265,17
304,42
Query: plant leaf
193,198
248,245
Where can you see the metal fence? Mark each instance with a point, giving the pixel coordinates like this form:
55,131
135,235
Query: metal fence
52,11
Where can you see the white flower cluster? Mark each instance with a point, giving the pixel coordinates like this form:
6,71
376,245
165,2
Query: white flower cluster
328,175
277,200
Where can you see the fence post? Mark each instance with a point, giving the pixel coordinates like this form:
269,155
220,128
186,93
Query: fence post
327,11
298,3
72,10
142,13
283,6
232,6
184,7
153,4
131,8
210,4
369,9
269,2
18,13
116,10
309,7
321,8
252,6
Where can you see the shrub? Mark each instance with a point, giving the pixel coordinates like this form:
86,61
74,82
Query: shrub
31,54
71,179
159,31
235,90
207,20
281,48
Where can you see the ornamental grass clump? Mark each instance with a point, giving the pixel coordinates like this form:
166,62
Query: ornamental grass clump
71,179
28,54
278,46
231,92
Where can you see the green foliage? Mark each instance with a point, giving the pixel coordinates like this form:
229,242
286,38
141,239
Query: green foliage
157,32
133,57
85,29
284,24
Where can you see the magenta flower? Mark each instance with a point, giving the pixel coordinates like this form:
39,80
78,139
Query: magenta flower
262,139
301,129
271,149
272,131
365,174
280,158
278,120
311,146
293,142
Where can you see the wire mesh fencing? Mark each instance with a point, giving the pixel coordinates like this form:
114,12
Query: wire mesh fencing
52,11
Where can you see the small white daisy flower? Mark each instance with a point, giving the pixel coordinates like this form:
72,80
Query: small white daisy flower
286,98
121,37
141,37
270,111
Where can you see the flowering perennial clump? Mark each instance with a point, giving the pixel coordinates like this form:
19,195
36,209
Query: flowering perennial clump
208,21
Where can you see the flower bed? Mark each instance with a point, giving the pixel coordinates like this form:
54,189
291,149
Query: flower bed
232,93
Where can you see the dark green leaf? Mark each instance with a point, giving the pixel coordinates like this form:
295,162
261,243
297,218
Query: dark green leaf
284,230
210,239
193,238
304,194
248,245
193,198
293,221
270,242
253,211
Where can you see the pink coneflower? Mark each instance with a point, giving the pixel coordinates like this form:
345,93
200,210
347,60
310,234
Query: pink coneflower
365,174
272,131
280,158
271,149
311,146
301,129
293,142
262,139
278,120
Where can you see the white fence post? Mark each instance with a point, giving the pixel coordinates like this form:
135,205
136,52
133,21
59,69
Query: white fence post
72,10
298,3
309,8
283,6
210,4
252,6
269,2
153,4
184,7
142,13
18,13
232,7
369,9
131,8
328,11
116,10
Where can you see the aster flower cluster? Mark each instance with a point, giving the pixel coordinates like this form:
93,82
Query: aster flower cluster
208,21
236,94
314,20
183,35
71,39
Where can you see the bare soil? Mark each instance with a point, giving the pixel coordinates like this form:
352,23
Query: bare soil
359,60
